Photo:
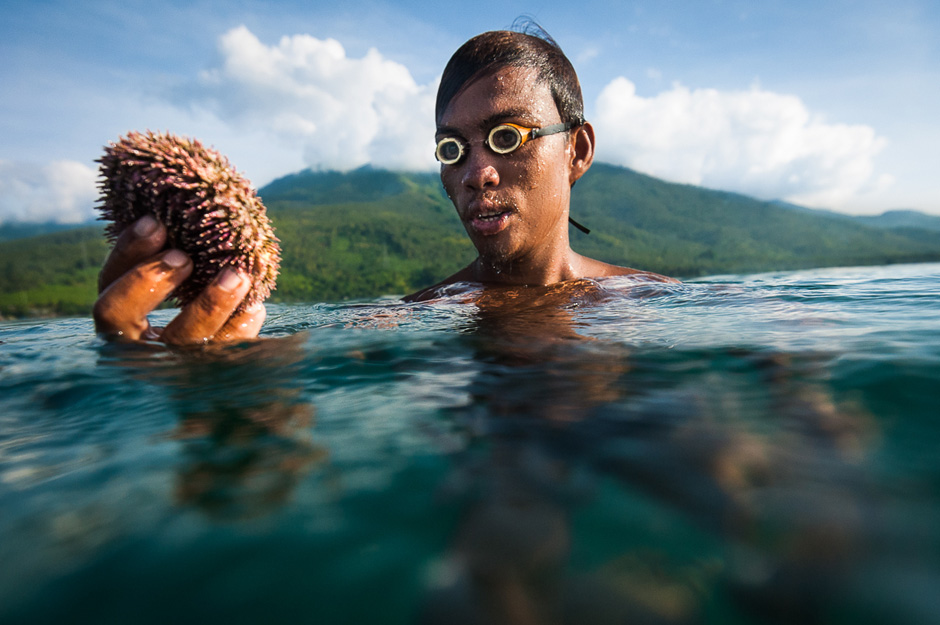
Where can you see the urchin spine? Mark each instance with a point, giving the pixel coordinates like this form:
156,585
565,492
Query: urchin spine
211,212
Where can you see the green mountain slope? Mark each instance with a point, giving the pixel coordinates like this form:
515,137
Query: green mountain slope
12,231
371,232
902,219
381,233
689,231
51,274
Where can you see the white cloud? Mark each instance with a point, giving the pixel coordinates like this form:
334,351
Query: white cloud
271,109
757,142
587,54
60,191
341,112
303,101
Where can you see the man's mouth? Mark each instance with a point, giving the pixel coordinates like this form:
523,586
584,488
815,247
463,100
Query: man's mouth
488,220
491,223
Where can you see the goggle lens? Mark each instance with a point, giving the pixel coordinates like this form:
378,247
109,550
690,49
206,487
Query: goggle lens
449,151
502,139
505,139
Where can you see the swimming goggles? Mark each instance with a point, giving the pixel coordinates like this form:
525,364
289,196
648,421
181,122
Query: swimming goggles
503,139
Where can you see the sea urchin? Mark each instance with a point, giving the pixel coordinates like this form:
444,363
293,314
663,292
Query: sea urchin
210,211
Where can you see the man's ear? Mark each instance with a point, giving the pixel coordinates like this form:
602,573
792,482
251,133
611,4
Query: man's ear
582,140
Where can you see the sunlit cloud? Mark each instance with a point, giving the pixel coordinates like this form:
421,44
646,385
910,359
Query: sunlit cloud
342,112
60,191
303,101
756,142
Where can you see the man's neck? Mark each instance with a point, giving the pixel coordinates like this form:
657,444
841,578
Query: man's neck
547,266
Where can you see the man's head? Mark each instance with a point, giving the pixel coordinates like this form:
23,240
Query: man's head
494,50
512,194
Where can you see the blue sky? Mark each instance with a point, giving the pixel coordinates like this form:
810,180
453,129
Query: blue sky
828,103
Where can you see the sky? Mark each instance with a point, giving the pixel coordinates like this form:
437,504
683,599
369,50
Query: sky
825,103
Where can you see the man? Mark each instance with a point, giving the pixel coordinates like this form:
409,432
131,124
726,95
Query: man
512,141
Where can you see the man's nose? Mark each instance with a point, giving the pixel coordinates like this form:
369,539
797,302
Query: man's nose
480,169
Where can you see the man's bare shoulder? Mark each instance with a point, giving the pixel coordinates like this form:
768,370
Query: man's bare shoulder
464,275
591,268
586,267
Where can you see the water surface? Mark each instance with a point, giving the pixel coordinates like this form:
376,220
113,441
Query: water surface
741,449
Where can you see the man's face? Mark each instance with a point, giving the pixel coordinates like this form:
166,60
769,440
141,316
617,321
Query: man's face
512,205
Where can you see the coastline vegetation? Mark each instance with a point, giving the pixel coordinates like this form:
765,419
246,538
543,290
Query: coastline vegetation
369,232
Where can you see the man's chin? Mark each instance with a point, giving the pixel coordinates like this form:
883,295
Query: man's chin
495,256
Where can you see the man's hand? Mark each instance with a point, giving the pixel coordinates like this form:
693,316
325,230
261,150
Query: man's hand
137,276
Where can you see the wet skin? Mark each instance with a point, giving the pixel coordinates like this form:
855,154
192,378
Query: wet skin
515,206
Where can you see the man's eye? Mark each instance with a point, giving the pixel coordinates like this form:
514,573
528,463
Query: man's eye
505,139
448,150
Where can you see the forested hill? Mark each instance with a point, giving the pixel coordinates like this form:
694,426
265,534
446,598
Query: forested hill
363,234
371,232
636,220
685,230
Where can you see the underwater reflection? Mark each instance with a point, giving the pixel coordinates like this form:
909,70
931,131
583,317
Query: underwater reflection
527,338
244,430
749,447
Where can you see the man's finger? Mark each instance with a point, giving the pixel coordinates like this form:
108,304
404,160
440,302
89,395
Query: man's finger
142,240
201,319
122,309
244,325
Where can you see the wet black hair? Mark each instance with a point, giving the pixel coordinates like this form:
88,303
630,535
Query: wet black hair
532,48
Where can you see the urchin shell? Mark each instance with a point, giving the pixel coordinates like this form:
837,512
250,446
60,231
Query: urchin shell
210,211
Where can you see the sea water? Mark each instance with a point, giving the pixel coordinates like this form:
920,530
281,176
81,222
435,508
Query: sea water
739,449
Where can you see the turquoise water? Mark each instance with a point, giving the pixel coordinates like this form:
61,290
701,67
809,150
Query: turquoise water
741,449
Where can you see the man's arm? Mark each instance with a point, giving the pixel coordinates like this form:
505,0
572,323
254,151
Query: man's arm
138,276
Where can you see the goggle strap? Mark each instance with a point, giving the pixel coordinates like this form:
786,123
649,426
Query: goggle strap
579,226
550,130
